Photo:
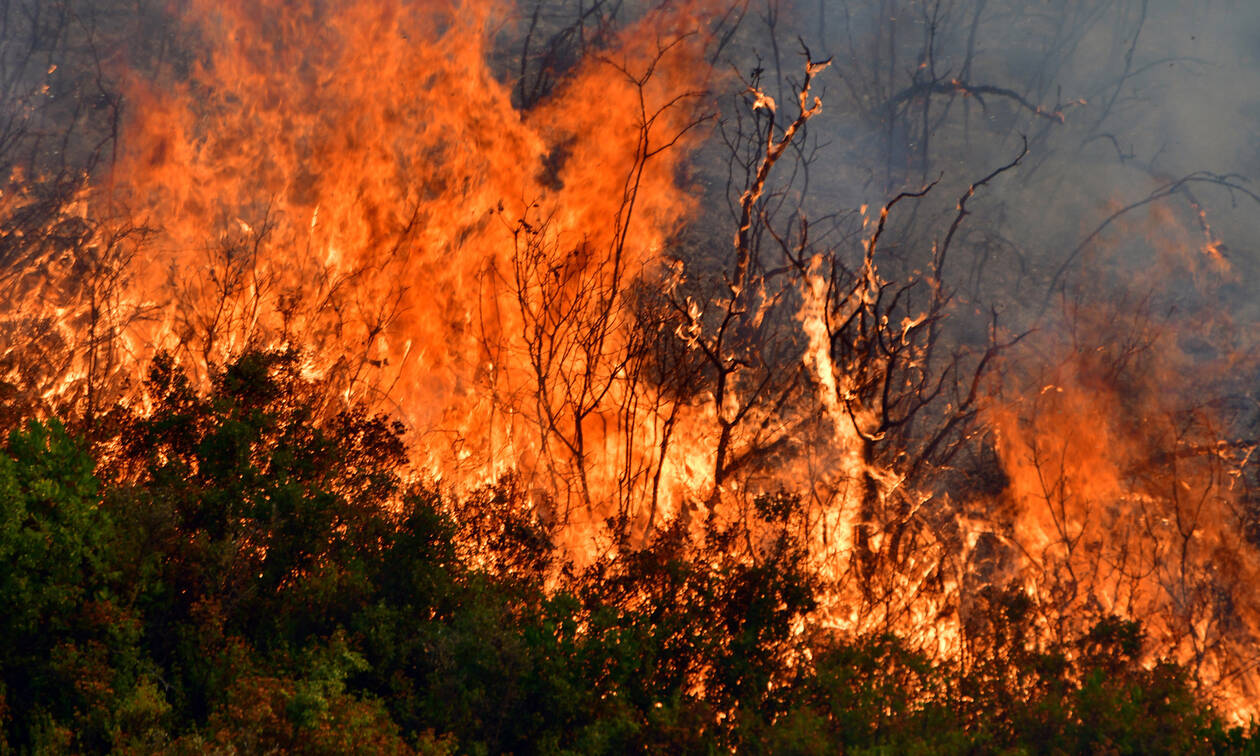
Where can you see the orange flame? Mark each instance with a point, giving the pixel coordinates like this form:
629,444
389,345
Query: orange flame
354,179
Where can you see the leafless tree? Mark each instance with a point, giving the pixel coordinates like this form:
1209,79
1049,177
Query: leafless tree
586,347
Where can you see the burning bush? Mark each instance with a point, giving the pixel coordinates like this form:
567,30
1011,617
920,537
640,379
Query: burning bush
656,353
248,577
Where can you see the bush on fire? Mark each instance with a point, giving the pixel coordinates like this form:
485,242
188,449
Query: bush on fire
229,573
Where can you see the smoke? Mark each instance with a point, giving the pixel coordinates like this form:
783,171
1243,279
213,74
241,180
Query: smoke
1115,99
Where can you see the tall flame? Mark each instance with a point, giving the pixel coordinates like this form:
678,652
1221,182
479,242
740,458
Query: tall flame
352,178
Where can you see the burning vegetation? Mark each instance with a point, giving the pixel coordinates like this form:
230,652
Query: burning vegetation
613,376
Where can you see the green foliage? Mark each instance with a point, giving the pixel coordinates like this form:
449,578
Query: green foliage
245,573
72,670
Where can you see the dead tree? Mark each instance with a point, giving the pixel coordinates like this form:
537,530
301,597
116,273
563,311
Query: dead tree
586,345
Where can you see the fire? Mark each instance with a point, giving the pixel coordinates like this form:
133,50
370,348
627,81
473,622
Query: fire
356,180
1125,495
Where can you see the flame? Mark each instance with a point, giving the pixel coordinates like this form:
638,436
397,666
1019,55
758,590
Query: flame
1124,494
357,180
